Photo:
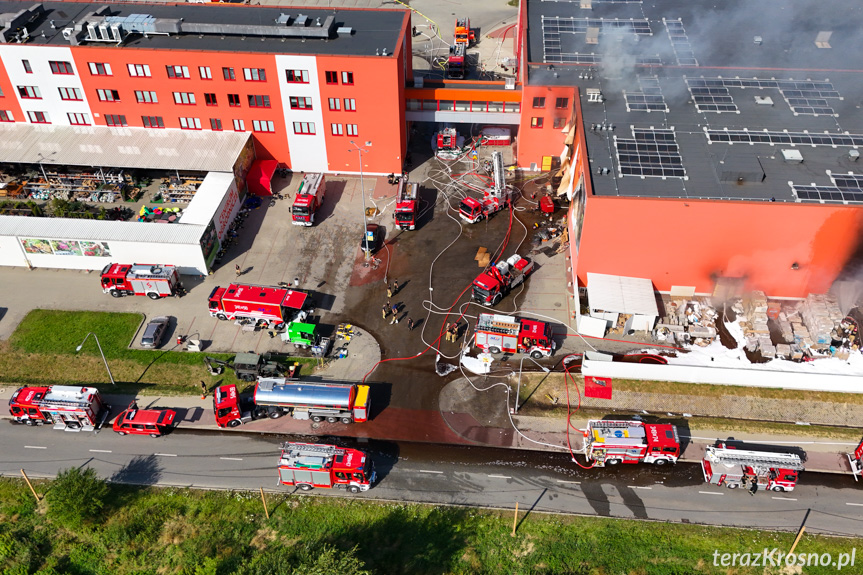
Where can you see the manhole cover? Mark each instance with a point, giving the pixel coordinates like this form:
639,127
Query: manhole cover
557,304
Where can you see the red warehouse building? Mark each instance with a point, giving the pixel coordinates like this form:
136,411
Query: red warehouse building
303,82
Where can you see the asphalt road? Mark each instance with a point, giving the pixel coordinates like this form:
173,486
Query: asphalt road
470,476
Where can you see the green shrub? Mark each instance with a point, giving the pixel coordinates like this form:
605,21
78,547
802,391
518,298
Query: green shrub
76,497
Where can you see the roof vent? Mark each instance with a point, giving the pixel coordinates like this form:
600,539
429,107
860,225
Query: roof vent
302,20
594,95
764,100
344,31
283,19
822,40
792,156
758,40
853,155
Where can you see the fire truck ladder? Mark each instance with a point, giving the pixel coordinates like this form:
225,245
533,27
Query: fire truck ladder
496,326
297,450
757,460
498,175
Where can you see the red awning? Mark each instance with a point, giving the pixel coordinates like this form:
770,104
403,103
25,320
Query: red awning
260,175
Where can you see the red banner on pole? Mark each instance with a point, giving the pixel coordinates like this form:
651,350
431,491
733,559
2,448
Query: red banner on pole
597,387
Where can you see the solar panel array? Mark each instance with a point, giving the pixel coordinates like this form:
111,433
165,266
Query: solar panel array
680,42
650,153
775,137
710,98
552,28
847,181
649,99
803,97
827,194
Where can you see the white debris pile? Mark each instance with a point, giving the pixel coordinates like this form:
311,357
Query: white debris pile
688,321
822,316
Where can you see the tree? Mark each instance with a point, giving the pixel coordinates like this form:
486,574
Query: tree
76,496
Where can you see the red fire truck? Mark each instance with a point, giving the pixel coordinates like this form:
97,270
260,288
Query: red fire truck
463,32
273,305
497,333
750,469
856,461
69,408
407,205
309,465
495,198
498,280
275,397
611,442
153,281
455,64
310,197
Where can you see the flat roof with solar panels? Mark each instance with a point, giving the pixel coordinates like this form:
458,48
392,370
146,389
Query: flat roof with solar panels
757,100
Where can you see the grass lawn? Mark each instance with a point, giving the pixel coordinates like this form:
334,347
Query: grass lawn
149,530
42,352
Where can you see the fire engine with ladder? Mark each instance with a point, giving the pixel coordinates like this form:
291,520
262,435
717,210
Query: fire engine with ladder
153,281
494,199
750,469
407,205
856,461
497,333
498,280
68,407
309,199
309,465
612,442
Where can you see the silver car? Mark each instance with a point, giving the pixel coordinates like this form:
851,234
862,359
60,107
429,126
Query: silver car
154,332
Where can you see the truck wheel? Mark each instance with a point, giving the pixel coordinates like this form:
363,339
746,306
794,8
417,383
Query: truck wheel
29,422
275,413
353,489
121,433
279,326
221,316
317,418
153,295
613,462
536,354
778,488
660,462
260,412
332,419
496,299
494,350
115,293
248,377
733,486
347,420
154,435
305,486
234,423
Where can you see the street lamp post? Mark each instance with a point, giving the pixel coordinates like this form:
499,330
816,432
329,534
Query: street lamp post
362,194
77,349
518,392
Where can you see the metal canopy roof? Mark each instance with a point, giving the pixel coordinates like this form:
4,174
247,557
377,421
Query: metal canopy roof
203,151
621,294
100,230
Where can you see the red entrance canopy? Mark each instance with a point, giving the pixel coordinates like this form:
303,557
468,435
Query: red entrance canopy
260,175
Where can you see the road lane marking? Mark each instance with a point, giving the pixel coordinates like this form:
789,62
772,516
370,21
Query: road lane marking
427,471
786,498
572,482
638,487
232,458
500,476
101,451
711,493
166,454
34,447
855,504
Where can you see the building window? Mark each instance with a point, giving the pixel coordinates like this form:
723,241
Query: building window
216,124
239,126
210,99
6,116
299,103
348,78
260,101
78,119
108,95
61,68
228,74
38,117
304,127
70,94
139,70
297,76
561,103
153,121
29,92
146,97
27,68
539,102
337,129
233,99
536,122
115,120
332,77
190,123
185,98
100,69
205,73
263,126
178,71
350,105
559,123
352,129
335,104
255,74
